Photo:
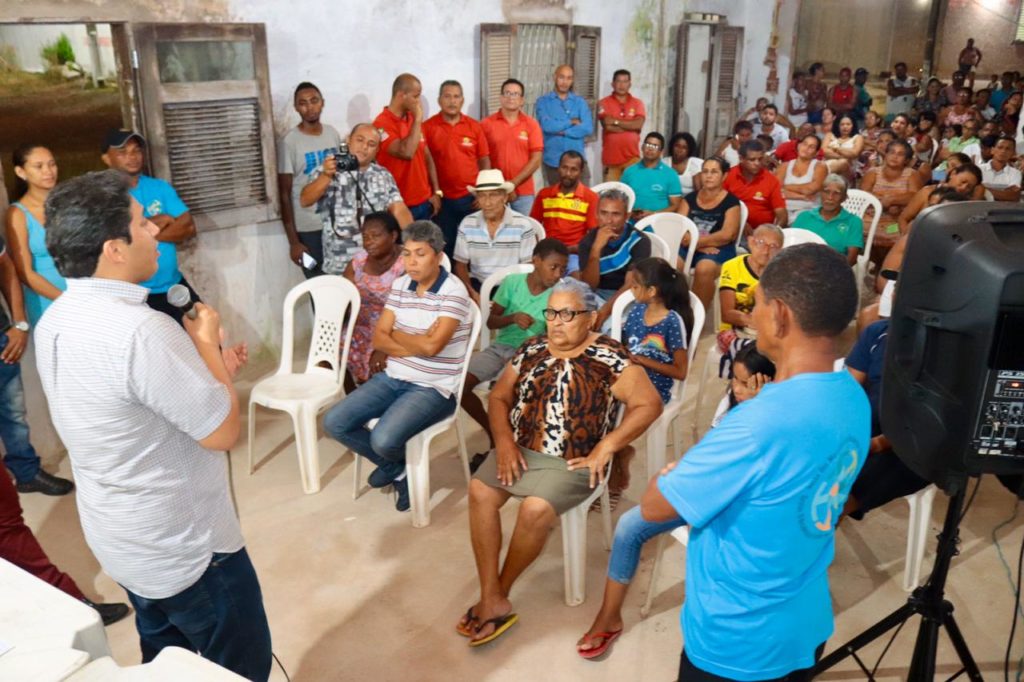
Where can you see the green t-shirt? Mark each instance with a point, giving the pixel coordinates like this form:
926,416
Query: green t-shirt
843,232
515,297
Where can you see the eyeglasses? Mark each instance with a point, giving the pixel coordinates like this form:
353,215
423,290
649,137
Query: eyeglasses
511,94
771,246
565,314
651,145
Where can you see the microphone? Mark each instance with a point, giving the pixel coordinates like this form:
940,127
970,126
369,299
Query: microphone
179,296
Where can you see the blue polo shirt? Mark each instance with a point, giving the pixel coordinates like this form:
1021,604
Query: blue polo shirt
762,493
843,232
157,197
555,116
653,186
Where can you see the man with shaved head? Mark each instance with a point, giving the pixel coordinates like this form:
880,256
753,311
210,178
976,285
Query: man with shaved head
403,149
344,198
565,119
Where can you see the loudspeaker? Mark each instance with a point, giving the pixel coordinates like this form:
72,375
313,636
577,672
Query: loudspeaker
952,401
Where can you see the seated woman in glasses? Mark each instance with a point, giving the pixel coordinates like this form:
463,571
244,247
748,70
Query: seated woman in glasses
554,417
737,283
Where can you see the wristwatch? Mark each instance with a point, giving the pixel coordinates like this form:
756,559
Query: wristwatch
21,326
439,193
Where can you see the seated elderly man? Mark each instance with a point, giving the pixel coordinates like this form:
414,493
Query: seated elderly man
840,229
553,413
607,251
423,331
494,237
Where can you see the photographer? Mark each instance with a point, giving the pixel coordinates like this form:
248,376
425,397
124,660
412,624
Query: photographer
347,188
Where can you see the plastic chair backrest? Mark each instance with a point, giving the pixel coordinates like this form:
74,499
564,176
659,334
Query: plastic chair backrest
792,236
744,215
538,228
671,227
659,248
489,286
857,202
619,186
333,298
475,325
618,312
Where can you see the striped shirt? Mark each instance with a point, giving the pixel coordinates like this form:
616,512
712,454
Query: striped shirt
130,397
512,244
414,314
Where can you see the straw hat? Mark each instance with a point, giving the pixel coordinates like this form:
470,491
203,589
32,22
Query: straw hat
490,179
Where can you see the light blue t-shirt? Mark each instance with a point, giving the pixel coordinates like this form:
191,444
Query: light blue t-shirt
653,186
156,197
762,493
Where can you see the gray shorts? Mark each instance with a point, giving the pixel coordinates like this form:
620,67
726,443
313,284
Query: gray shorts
488,363
546,477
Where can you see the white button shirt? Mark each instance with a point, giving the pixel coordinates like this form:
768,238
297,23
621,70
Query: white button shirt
130,397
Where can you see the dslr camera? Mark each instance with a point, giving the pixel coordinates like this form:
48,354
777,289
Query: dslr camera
345,159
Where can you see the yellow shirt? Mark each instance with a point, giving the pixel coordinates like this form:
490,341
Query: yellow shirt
736,276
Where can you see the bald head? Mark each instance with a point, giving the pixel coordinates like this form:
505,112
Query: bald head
405,94
405,83
563,79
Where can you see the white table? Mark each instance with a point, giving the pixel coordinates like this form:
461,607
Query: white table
170,665
49,630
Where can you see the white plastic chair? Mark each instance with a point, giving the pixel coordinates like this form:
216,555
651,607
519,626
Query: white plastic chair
659,248
917,534
538,229
574,542
489,286
417,449
744,215
671,227
791,236
857,202
306,394
619,186
657,433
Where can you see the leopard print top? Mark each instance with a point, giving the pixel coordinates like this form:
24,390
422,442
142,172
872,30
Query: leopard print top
563,407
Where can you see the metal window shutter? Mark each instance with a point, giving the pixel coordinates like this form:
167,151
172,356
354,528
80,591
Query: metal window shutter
495,64
539,50
586,54
215,153
1020,25
729,64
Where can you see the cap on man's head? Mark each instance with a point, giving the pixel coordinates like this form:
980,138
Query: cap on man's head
118,138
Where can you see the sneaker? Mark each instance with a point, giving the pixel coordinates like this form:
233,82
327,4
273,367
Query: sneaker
47,484
402,489
109,613
385,474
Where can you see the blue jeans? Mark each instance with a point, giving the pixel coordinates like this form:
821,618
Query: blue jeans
450,217
631,533
404,409
19,455
220,617
422,211
522,204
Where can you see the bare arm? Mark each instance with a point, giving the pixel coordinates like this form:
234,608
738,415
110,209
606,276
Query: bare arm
730,314
483,163
781,217
676,369
382,340
1008,194
913,207
10,285
175,230
432,341
673,204
461,270
205,332
851,255
528,170
17,242
725,236
401,213
405,148
284,188
312,192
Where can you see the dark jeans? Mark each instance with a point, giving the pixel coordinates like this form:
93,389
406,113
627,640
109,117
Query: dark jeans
159,302
314,241
19,546
422,211
220,617
688,672
403,408
450,217
20,457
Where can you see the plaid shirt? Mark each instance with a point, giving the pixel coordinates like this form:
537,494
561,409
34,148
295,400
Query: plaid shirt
342,209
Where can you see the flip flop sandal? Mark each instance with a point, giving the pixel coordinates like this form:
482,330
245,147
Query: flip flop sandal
467,629
501,625
608,638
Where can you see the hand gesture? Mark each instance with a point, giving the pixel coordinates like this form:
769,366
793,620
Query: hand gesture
295,252
16,341
205,328
523,320
511,463
596,461
603,236
378,362
756,382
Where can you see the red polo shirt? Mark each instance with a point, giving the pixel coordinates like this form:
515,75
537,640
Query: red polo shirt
456,150
566,217
620,148
410,176
511,145
762,195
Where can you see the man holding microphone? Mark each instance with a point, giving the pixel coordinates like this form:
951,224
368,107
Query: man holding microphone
143,407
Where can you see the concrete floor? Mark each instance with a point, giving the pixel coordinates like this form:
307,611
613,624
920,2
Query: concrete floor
353,591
